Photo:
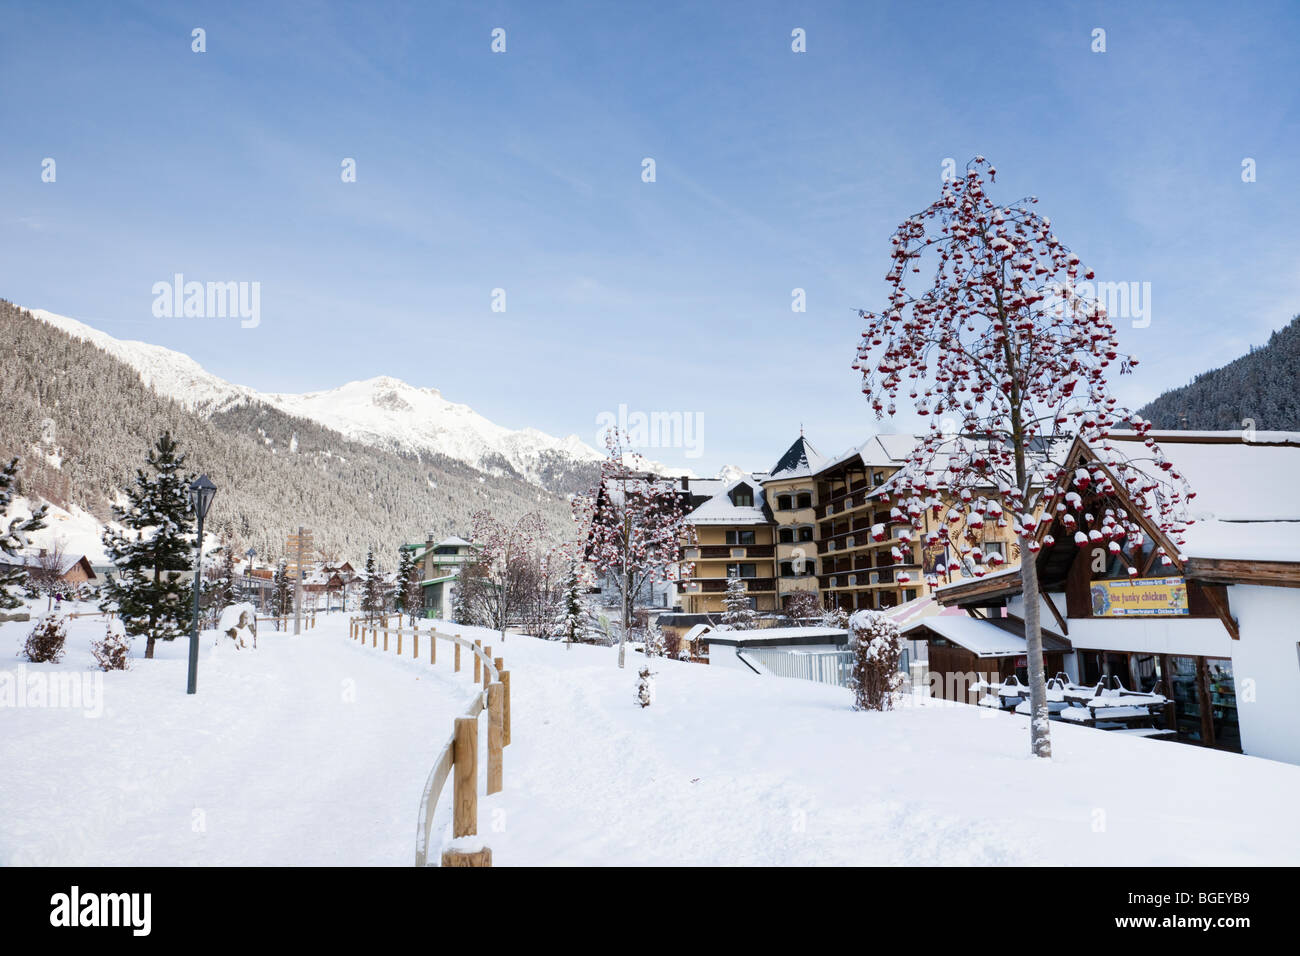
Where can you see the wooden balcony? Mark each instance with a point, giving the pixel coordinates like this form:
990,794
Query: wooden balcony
739,552
719,585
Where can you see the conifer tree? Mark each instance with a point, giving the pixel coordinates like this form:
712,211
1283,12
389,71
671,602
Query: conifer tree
412,593
576,623
372,590
13,536
281,593
152,592
738,613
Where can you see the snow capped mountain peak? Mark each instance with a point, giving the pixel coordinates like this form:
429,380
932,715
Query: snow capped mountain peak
383,411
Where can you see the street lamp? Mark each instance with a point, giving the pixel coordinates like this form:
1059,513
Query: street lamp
201,494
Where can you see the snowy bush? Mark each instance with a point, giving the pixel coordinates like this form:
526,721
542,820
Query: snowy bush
876,645
113,653
803,606
44,644
835,617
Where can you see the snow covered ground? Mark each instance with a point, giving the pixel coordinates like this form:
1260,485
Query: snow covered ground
305,751
724,768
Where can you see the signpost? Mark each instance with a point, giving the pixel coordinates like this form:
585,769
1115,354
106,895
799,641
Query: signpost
297,548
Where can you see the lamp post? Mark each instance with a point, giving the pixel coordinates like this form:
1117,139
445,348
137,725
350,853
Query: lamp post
201,494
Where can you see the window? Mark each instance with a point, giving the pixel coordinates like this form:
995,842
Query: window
805,500
783,503
742,570
740,537
786,536
743,496
805,534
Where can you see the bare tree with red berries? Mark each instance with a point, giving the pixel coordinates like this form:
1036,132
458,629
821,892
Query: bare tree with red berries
634,527
504,552
1008,359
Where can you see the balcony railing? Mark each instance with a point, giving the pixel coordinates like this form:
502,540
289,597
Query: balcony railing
714,552
719,585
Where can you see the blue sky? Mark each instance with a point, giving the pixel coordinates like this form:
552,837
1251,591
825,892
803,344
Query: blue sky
774,171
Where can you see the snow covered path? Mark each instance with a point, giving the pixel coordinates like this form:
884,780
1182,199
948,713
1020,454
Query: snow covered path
309,750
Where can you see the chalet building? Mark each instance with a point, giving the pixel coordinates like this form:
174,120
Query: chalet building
74,570
440,562
1213,622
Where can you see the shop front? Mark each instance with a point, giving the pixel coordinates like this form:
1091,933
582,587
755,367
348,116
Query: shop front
1202,690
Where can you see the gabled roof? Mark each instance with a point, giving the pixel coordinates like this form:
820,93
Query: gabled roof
33,562
799,461
720,509
889,451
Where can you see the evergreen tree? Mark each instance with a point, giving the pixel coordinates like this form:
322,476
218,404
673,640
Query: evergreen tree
372,589
412,593
408,599
738,613
281,593
13,536
152,592
403,570
577,624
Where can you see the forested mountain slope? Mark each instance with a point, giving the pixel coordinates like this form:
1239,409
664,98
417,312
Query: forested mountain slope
82,420
1262,387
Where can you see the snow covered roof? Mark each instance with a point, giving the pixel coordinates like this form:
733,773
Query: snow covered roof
780,635
33,562
887,451
454,542
721,509
799,461
983,638
1245,506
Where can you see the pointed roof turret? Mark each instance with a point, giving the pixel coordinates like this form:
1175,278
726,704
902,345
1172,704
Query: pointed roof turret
799,461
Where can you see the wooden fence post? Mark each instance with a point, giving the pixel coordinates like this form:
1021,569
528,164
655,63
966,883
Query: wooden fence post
465,778
385,633
415,639
505,709
476,663
457,658
399,641
495,696
433,644
487,651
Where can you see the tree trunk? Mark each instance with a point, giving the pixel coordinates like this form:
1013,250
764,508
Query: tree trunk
148,648
1040,738
622,639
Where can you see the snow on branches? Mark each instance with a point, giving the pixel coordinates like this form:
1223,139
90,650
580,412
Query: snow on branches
633,523
876,645
1008,361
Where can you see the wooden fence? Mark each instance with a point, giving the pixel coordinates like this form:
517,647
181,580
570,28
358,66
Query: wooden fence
284,620
458,758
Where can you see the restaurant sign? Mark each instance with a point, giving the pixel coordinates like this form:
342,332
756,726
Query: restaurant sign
1148,597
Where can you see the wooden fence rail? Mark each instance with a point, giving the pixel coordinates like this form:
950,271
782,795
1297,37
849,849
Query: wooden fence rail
458,758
